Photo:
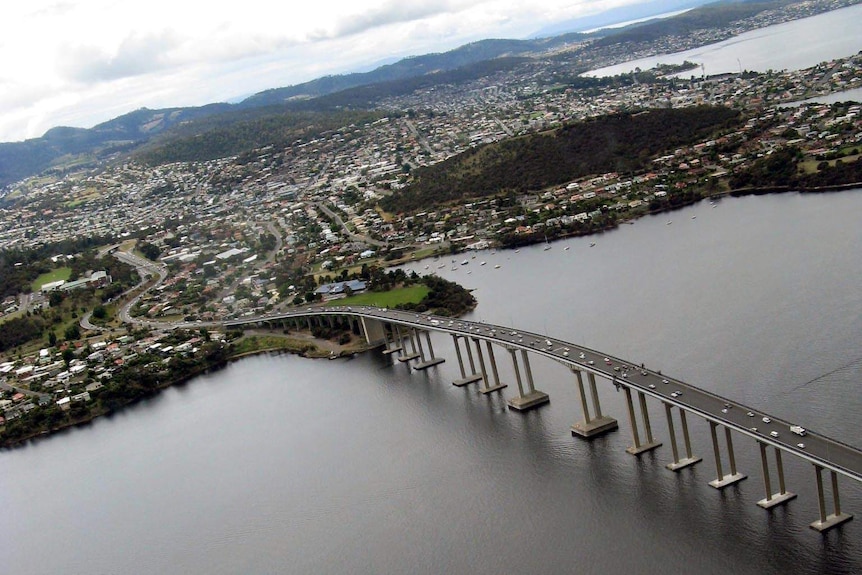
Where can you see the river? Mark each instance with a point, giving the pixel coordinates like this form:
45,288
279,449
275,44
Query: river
278,464
789,46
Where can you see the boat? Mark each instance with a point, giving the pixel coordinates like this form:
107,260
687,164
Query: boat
483,263
565,249
669,222
496,267
517,251
547,243
592,244
454,268
426,267
441,266
465,262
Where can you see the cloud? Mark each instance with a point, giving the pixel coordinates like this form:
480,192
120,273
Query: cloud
135,56
391,12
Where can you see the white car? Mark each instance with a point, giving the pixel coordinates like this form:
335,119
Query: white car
800,445
766,420
773,433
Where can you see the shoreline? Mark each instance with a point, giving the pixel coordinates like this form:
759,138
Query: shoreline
316,351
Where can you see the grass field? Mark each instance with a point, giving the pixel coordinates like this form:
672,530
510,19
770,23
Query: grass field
52,276
412,294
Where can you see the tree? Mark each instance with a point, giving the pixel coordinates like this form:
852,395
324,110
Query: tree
100,312
150,251
52,338
72,332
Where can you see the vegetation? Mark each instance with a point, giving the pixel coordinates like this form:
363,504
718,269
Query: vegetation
782,169
622,143
444,298
63,273
393,298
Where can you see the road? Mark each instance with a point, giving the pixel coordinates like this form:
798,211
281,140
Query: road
352,236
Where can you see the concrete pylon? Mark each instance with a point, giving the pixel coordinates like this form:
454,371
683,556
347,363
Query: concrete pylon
596,424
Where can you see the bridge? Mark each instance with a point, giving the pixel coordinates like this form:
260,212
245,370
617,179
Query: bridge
401,332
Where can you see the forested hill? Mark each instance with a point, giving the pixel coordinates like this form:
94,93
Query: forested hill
623,143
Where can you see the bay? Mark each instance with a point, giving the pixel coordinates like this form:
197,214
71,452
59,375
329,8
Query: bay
792,45
278,464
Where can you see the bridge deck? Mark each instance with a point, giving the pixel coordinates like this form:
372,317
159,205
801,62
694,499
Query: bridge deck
819,449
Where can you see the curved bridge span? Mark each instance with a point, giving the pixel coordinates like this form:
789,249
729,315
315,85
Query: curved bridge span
401,332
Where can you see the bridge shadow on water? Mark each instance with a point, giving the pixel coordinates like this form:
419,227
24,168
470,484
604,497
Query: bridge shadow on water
632,500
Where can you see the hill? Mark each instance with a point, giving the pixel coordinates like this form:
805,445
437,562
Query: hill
623,143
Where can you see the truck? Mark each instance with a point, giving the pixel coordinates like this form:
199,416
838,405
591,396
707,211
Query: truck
797,429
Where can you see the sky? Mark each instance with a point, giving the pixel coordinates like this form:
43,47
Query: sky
82,62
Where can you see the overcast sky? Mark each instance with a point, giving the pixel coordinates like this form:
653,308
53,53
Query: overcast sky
81,62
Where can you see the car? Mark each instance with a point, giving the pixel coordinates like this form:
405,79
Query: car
591,362
625,374
754,429
643,372
582,356
675,394
766,420
664,381
750,414
724,410
727,406
773,433
616,368
607,361
800,445
652,386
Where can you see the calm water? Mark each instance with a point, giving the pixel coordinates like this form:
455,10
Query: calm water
790,46
277,464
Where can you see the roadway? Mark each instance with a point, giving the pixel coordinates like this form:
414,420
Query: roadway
813,447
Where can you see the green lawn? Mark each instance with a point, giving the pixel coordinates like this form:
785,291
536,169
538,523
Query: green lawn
52,276
411,294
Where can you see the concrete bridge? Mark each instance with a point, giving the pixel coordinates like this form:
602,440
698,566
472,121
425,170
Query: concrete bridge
401,333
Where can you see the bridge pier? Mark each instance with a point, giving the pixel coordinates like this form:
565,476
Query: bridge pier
591,426
497,385
783,496
396,346
465,379
689,459
373,331
532,398
409,356
431,361
651,443
474,375
723,480
836,518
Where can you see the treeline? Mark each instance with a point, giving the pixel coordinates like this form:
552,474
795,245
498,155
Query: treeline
20,330
444,298
781,170
624,143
